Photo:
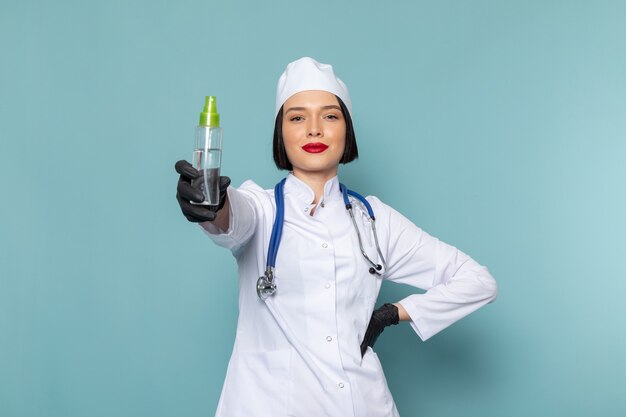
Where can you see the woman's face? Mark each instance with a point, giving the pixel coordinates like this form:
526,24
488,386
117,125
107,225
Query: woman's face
314,132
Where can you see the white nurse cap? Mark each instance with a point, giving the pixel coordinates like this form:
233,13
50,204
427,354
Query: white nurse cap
308,74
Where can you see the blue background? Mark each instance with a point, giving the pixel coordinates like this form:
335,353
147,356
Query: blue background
497,126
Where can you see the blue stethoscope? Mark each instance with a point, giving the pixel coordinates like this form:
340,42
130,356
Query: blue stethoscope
265,284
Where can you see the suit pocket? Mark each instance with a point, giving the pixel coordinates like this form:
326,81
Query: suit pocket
375,390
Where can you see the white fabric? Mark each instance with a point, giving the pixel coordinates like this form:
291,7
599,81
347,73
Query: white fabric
307,74
325,297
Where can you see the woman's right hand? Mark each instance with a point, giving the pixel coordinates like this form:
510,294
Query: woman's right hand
186,193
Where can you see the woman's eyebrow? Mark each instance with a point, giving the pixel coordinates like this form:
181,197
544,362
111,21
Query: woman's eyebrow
295,109
330,106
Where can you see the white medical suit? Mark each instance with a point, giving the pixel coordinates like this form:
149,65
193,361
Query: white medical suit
308,361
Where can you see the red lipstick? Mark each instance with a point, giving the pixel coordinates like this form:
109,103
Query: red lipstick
316,147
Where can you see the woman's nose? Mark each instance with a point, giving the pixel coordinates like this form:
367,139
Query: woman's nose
314,130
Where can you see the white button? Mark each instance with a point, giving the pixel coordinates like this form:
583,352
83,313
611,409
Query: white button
324,245
327,286
329,339
341,385
306,209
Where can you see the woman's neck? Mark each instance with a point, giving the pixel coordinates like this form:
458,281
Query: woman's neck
315,180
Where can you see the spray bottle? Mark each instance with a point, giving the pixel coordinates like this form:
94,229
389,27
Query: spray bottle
207,155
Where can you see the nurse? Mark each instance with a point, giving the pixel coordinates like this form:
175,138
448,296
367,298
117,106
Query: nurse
306,350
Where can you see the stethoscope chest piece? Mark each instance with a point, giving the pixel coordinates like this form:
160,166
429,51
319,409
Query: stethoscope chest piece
265,287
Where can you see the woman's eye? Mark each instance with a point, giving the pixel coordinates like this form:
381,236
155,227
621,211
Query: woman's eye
332,116
296,119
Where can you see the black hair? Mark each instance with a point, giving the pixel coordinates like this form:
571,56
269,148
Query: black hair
350,153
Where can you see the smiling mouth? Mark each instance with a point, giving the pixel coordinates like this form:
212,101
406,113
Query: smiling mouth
316,147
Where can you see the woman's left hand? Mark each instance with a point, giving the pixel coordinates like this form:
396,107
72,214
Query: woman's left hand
381,318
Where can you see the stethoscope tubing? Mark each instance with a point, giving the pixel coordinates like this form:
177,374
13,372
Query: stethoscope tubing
345,192
278,230
375,268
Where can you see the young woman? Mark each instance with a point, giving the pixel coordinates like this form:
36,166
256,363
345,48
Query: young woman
307,323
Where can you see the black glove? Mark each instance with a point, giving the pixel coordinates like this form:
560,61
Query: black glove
381,318
187,192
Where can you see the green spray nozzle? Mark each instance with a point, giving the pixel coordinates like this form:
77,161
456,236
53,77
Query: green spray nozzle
209,116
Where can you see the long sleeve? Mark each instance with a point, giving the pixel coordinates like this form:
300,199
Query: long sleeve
242,218
455,284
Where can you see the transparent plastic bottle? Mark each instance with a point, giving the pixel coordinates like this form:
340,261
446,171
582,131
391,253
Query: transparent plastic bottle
207,155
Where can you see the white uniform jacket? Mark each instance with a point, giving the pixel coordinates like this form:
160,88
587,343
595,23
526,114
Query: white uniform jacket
298,353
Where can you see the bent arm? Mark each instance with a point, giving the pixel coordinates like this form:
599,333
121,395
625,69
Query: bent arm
455,284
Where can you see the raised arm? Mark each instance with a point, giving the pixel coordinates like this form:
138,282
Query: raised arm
188,193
